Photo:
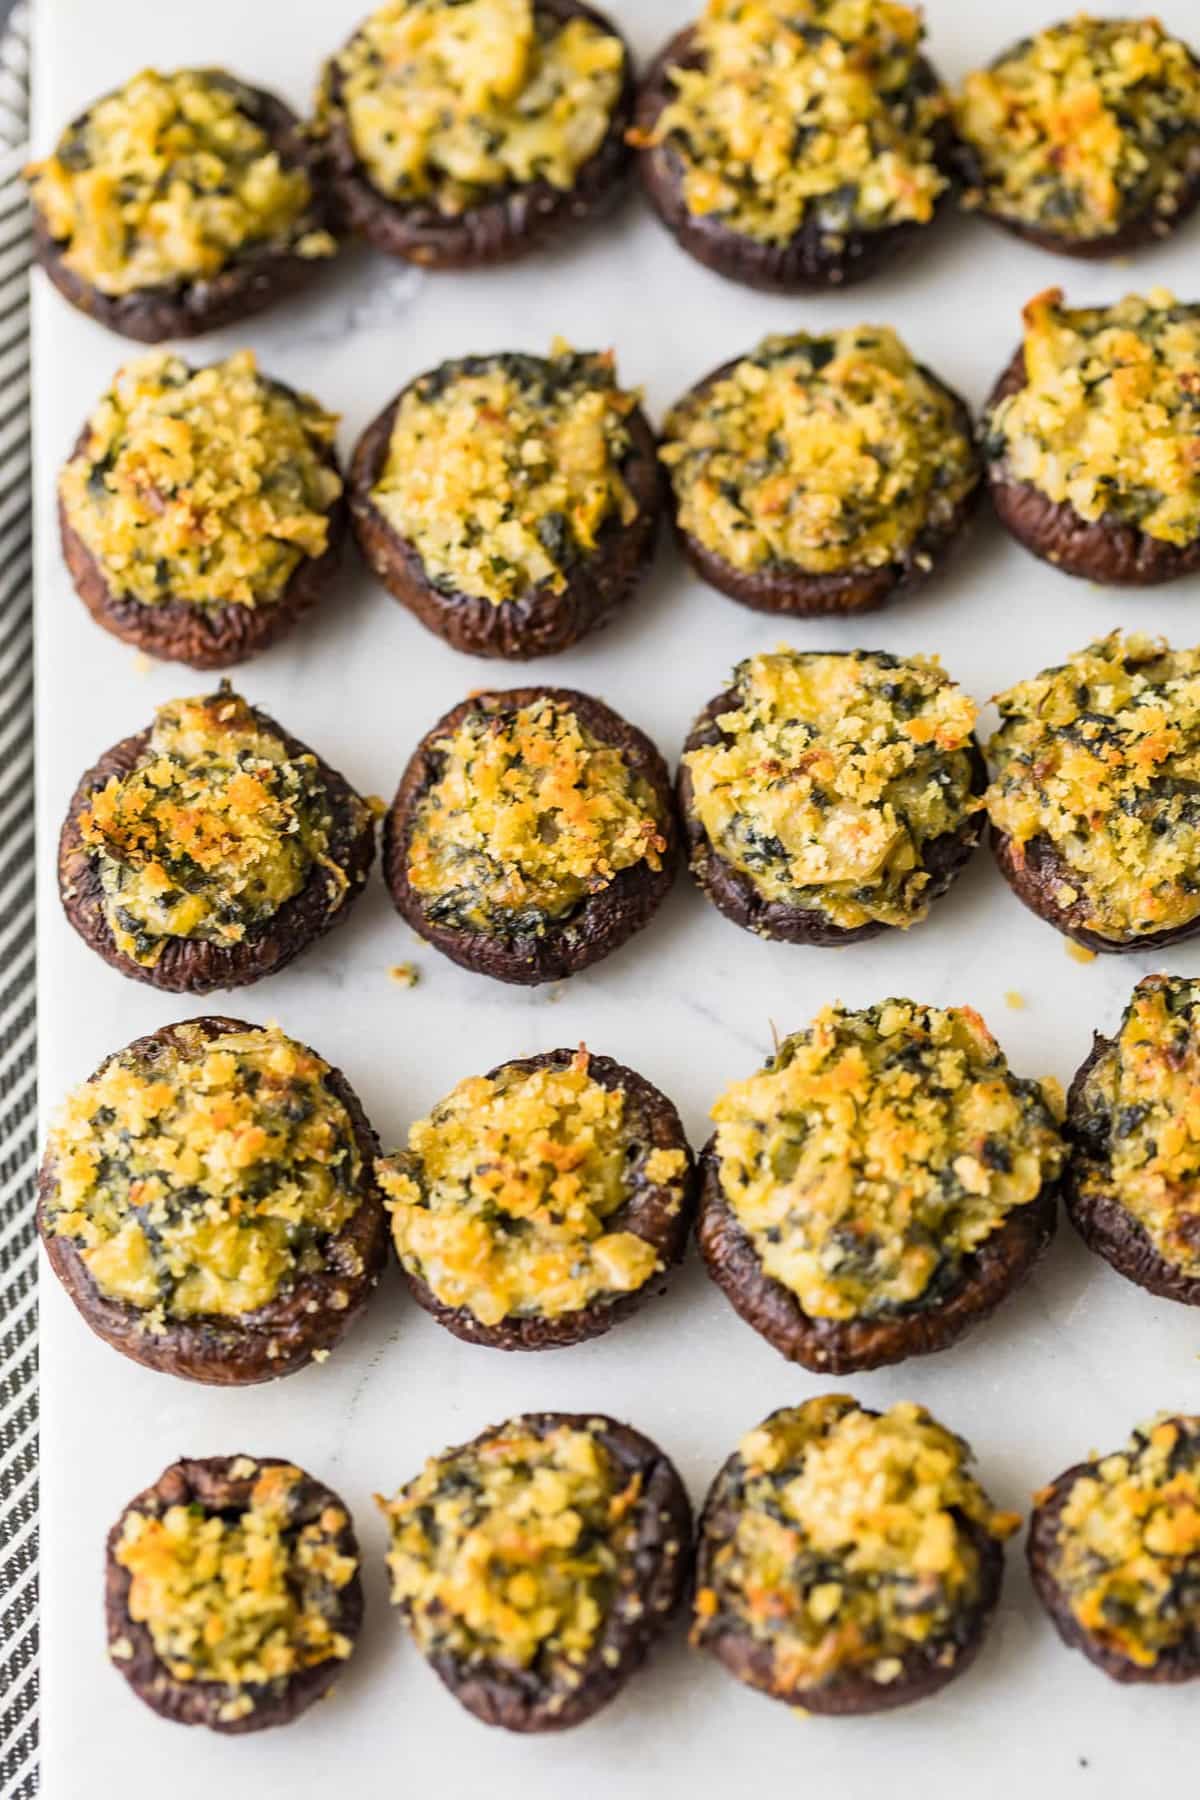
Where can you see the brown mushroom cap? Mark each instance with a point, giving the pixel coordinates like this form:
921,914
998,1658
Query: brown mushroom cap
252,281
812,260
735,894
520,217
541,622
1035,871
654,1211
203,635
273,1340
209,1482
602,922
194,965
1104,550
650,1585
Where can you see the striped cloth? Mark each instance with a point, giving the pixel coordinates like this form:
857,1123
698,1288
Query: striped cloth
18,1130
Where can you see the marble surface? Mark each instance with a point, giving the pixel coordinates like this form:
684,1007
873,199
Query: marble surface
1070,1364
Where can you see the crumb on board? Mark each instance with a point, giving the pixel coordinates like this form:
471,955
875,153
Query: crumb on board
554,994
320,1356
1079,952
377,804
405,974
1014,1000
142,664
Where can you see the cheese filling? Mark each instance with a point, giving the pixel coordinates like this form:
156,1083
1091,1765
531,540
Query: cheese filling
502,471
508,1551
505,1200
1099,760
791,111
169,181
1084,127
1138,1119
206,1175
1109,417
214,828
877,1150
208,486
832,775
1127,1556
852,1547
450,101
245,1599
530,814
820,454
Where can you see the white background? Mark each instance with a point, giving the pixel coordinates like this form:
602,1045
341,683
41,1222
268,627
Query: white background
1070,1364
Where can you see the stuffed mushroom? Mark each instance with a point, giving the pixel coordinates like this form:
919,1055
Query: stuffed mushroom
539,1204
211,848
511,502
1084,138
880,1186
827,796
208,1201
1133,1181
533,832
536,1565
201,511
179,203
848,1561
467,132
1094,768
1114,1551
232,1592
1090,438
795,144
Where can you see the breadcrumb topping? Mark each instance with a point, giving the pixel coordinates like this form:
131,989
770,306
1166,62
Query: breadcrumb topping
1127,1551
502,471
833,775
452,101
818,453
167,180
203,1175
850,1542
1108,419
205,485
246,1599
805,109
504,1199
1084,127
529,815
1098,760
509,1550
877,1150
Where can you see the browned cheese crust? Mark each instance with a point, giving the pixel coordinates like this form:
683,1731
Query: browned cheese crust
1104,550
192,965
848,1691
603,922
541,622
652,1211
838,1346
734,893
1180,1662
257,279
653,1581
807,262
1102,1221
185,631
275,1339
519,219
208,1481
795,592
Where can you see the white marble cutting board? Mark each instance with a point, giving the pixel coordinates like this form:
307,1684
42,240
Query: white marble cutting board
1070,1364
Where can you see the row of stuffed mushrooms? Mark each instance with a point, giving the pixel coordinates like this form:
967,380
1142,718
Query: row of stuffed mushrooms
822,798
787,144
512,502
216,1204
845,1561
